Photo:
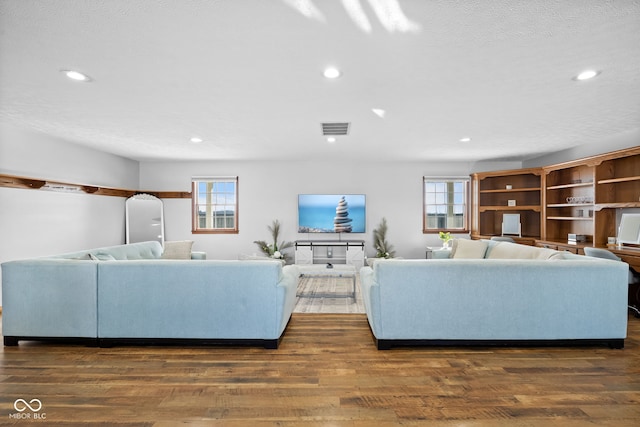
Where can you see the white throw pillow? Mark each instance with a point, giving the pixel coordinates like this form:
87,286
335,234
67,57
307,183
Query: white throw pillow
177,250
508,250
471,249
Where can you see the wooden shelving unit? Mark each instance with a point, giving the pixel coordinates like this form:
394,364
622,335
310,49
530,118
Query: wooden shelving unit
582,196
491,193
568,201
577,197
617,187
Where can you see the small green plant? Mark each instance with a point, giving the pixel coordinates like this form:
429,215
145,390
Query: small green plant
445,237
275,249
383,248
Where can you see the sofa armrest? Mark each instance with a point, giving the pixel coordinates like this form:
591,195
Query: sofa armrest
287,287
50,298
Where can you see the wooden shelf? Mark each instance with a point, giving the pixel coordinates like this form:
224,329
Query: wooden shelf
512,190
570,205
615,180
574,185
570,218
11,181
510,208
620,205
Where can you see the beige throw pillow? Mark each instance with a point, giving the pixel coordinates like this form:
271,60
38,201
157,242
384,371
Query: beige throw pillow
508,250
471,249
177,250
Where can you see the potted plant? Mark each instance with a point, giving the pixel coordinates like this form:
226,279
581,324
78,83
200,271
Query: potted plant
446,238
383,248
275,249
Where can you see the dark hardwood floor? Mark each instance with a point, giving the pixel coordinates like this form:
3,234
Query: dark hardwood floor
327,372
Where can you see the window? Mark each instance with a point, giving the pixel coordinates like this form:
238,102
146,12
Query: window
445,205
215,204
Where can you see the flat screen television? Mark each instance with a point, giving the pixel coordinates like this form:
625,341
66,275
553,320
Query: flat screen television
331,213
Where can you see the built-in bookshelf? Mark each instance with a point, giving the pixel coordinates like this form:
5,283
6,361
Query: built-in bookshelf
580,197
569,201
496,193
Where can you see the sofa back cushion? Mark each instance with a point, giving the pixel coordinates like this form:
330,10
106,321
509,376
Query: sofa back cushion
508,250
465,248
141,250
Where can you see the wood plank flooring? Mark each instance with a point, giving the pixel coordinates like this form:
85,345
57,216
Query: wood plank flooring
327,372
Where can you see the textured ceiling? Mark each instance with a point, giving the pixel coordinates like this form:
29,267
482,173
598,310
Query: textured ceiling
246,76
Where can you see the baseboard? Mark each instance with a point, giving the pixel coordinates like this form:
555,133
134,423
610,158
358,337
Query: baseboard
112,342
611,343
12,341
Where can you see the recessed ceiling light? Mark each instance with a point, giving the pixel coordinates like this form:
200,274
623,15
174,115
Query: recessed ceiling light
379,112
331,139
196,140
331,73
465,139
586,75
76,76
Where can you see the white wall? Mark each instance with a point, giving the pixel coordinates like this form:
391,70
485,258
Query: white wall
269,190
613,143
38,222
36,155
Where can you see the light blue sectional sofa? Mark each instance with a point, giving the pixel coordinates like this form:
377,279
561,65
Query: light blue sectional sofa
497,293
134,296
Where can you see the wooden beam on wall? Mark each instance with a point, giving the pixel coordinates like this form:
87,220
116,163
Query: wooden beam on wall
12,181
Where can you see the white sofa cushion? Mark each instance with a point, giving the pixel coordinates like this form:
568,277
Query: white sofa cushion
508,250
464,248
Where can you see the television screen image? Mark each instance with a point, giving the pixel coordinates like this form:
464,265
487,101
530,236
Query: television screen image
331,213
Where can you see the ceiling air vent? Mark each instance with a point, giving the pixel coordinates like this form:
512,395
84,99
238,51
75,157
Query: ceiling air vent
335,129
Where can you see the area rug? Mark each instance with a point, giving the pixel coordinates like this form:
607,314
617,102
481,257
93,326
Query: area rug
328,295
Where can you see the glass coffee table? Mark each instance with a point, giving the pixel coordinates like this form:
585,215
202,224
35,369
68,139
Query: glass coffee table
347,271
